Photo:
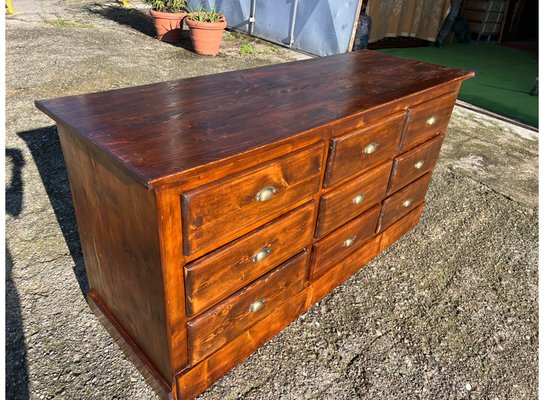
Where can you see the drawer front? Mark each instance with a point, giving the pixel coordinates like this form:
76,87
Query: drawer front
225,321
340,243
228,269
415,163
427,120
404,201
216,213
364,148
351,199
400,227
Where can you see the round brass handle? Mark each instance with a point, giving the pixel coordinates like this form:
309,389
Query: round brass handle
261,254
349,242
266,194
256,306
432,120
358,199
371,148
407,203
419,164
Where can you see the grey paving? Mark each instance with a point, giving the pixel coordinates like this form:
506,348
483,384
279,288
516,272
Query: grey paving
449,312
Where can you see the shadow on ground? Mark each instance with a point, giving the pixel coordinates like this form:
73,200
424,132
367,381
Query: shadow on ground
138,20
45,147
16,359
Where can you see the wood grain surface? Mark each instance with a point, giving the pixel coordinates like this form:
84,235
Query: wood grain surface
163,131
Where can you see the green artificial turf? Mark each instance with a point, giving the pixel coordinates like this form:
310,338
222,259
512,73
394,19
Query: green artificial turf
504,76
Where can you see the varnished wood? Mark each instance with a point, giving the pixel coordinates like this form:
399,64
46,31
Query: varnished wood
347,156
123,265
230,318
180,136
340,205
418,129
394,207
224,271
399,228
214,213
164,179
405,166
332,248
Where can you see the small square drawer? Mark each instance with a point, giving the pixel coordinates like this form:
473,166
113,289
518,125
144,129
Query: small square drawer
215,276
364,148
228,319
216,213
404,201
339,244
352,198
427,120
413,164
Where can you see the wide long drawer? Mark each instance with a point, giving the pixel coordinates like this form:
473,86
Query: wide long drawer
223,322
224,271
214,214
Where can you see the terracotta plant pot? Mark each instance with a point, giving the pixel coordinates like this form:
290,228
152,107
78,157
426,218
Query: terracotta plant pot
206,36
168,25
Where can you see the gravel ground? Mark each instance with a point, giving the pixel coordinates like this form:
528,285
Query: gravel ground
449,312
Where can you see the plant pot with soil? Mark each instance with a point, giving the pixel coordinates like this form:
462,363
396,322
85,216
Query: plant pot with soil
168,18
206,28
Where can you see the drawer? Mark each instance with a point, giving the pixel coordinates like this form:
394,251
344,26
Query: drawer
228,319
427,120
364,148
218,212
221,273
415,163
404,201
339,244
400,227
351,199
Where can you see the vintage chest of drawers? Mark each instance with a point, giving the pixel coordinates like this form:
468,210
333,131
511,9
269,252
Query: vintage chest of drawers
213,211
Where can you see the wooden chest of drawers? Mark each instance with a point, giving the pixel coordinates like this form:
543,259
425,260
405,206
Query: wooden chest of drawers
212,211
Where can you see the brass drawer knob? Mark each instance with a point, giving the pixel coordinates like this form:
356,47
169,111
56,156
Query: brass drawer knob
431,120
419,164
371,148
261,254
407,203
358,199
348,242
266,194
256,306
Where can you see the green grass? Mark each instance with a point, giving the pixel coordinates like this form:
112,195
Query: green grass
69,23
504,76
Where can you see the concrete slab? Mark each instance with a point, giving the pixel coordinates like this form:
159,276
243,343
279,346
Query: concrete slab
452,304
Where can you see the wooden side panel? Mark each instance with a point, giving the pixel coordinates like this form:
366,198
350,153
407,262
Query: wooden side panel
399,228
357,151
228,319
215,212
194,381
342,271
415,163
343,203
215,276
118,230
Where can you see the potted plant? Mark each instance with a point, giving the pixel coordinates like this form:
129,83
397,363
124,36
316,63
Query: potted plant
168,18
206,27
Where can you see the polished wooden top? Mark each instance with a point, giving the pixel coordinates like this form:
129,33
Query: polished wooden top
165,130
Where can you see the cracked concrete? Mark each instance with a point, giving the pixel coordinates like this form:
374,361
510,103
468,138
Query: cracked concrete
449,312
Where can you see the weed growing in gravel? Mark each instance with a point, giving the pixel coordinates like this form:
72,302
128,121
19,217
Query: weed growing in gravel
68,23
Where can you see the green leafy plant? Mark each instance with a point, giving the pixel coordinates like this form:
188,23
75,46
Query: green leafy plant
203,14
247,49
172,6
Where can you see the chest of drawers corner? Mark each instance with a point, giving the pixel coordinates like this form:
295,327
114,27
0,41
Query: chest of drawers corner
212,211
